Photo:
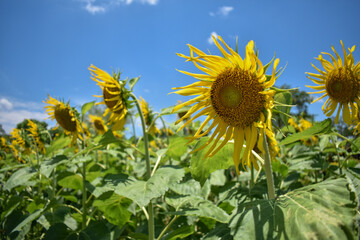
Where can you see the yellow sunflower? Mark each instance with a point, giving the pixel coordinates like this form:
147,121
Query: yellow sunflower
34,133
340,81
112,95
19,140
65,117
98,123
149,117
235,94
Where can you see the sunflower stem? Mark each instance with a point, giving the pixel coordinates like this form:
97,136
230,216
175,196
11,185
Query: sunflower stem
151,228
84,197
268,170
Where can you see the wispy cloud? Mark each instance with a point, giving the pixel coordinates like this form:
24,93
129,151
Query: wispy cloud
97,6
210,39
13,111
222,11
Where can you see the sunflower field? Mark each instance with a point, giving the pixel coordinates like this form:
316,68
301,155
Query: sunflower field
236,164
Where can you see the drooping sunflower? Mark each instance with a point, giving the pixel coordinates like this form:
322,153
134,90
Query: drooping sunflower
112,96
98,123
235,94
340,81
149,116
34,133
65,116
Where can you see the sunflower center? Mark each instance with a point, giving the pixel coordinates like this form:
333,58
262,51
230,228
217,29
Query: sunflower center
64,118
342,85
236,98
112,100
99,125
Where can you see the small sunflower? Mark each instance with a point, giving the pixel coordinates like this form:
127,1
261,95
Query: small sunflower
98,123
149,117
340,82
113,96
65,116
34,133
235,94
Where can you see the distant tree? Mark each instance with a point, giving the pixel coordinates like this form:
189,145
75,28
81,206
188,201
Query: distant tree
23,125
2,131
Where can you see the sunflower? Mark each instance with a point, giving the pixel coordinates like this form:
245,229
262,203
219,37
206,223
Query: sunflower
340,82
112,95
34,133
18,139
235,94
98,123
65,116
149,117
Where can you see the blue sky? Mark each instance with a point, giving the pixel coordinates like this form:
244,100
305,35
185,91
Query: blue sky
46,46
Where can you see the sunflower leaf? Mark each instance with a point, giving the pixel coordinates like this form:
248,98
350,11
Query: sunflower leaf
132,82
86,107
201,167
323,127
320,211
169,110
285,100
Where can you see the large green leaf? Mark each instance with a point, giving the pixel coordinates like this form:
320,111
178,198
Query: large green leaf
197,206
114,208
70,180
48,166
20,178
201,167
57,144
321,211
323,127
177,147
141,192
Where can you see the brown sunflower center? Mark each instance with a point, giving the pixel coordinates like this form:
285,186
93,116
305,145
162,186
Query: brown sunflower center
64,118
113,101
236,98
342,85
99,125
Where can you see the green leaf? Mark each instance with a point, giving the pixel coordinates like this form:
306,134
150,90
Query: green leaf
58,143
284,98
220,232
108,138
169,110
70,180
59,215
86,107
28,220
323,127
180,233
320,211
20,178
201,168
190,187
56,231
197,206
114,208
142,192
132,82
48,166
177,147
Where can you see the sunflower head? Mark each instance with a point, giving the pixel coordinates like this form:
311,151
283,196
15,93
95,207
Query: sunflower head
20,139
114,95
340,82
34,133
98,124
234,93
149,117
65,116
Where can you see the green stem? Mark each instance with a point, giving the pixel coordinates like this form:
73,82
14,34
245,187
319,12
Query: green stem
151,227
268,170
167,227
84,197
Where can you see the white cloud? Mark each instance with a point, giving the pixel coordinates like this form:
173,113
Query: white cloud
210,39
5,104
13,112
222,11
97,6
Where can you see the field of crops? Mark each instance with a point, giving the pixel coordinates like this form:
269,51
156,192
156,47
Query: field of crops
235,164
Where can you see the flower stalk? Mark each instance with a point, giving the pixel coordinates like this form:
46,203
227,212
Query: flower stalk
151,227
268,169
